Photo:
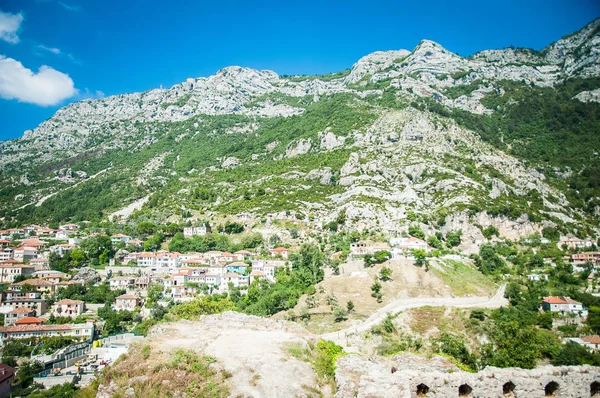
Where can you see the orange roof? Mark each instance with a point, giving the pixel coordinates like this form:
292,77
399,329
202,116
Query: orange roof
128,297
69,302
34,328
554,300
280,249
33,282
595,339
21,310
30,320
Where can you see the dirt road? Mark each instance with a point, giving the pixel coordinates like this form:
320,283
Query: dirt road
497,300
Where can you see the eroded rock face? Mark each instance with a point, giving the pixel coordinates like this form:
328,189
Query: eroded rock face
437,378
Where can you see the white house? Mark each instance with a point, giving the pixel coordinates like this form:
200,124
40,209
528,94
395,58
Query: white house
564,305
188,232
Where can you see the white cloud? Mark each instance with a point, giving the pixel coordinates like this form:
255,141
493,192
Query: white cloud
46,87
69,7
9,26
87,94
53,50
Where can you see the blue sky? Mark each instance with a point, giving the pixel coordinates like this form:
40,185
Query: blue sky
111,47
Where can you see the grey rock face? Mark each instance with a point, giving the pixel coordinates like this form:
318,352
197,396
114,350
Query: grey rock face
415,376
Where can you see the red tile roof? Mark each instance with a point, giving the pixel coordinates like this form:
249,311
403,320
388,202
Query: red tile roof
69,302
21,310
595,339
34,328
30,320
559,300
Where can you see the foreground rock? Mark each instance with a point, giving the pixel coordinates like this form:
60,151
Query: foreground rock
408,375
248,356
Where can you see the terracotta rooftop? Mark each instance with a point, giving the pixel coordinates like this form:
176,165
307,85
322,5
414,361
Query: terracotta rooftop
21,310
595,339
30,320
34,328
69,302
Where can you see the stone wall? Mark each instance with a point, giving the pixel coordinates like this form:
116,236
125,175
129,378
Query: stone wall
410,376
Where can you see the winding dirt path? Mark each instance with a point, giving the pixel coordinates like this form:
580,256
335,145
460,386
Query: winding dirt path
496,301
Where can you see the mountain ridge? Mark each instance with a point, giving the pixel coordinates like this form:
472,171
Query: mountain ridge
413,122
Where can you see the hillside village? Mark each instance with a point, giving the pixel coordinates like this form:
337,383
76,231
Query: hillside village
80,283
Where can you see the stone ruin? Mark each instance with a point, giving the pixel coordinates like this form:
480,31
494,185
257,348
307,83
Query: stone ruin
410,376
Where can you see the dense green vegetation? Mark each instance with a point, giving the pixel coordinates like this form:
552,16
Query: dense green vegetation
546,127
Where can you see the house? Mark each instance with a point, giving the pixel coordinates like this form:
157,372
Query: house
63,248
226,257
30,300
242,255
575,243
235,279
202,230
39,285
582,258
213,279
358,249
4,243
40,264
146,260
183,293
34,242
591,342
280,251
537,277
7,253
23,253
70,308
237,267
69,227
564,305
126,302
212,254
135,242
7,375
13,316
62,235
50,275
121,282
115,239
256,275
217,269
9,271
408,244
81,331
166,259
30,320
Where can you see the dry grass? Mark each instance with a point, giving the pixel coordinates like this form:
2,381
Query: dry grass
426,318
176,372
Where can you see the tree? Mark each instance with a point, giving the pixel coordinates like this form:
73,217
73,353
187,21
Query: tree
339,314
350,306
433,241
96,246
551,233
77,257
233,228
490,231
385,274
453,238
593,319
145,228
420,258
414,230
